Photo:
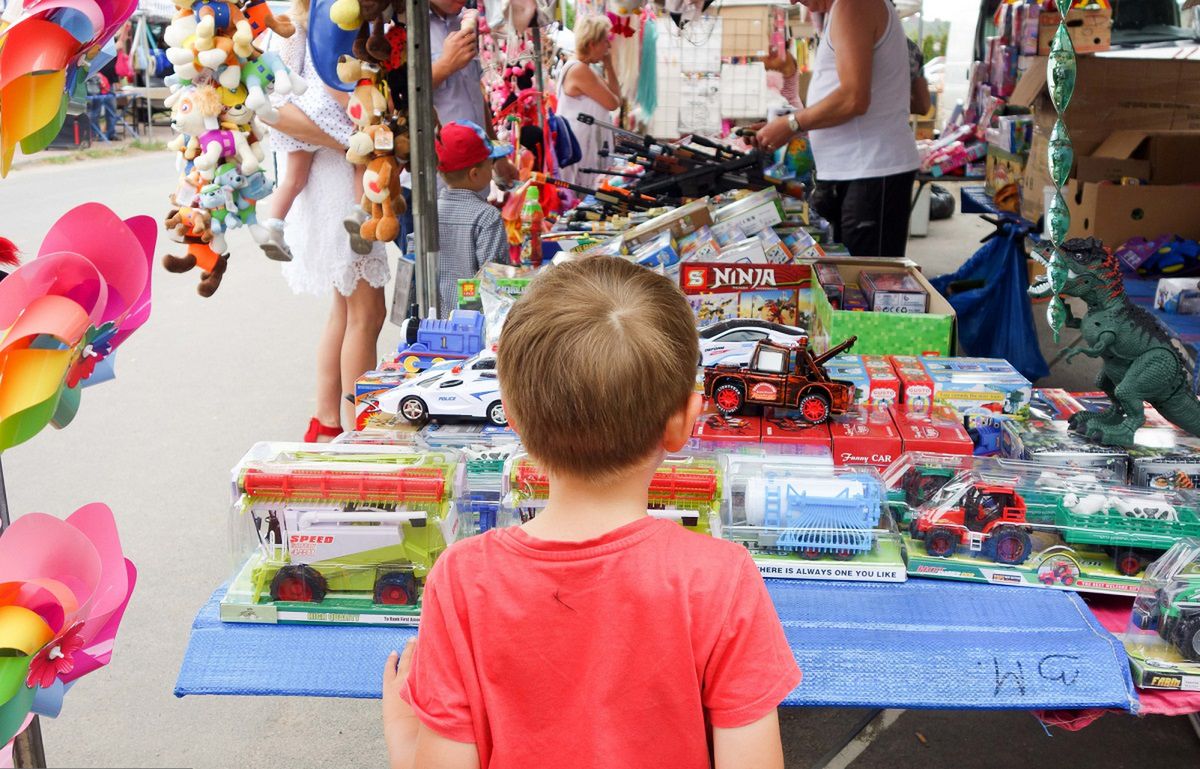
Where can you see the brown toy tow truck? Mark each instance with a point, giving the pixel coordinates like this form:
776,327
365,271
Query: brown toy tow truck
784,376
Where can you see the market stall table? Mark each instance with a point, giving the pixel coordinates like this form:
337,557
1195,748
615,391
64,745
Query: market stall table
883,646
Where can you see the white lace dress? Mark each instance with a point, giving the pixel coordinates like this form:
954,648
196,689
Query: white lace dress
321,255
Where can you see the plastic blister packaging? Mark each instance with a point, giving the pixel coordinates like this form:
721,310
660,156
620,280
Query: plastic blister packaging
1163,637
808,523
338,533
1025,524
686,488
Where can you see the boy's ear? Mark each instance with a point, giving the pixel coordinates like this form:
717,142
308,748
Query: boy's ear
679,426
512,425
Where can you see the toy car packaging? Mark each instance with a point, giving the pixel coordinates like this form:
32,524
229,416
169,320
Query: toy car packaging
801,522
1163,637
779,293
337,533
686,488
1021,526
716,432
916,477
865,436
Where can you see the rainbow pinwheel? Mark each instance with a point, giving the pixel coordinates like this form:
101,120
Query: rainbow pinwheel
64,586
40,57
66,310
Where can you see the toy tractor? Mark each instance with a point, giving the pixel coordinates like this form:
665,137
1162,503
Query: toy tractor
1174,613
982,517
788,377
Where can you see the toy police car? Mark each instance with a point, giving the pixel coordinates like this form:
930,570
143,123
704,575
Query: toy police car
466,389
731,342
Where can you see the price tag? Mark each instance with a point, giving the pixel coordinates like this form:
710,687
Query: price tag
383,139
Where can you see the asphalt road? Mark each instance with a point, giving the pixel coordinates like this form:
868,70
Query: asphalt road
203,381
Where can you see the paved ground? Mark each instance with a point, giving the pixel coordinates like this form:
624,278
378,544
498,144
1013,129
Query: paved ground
207,378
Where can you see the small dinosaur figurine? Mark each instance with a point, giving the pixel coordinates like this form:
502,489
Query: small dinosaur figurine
1140,360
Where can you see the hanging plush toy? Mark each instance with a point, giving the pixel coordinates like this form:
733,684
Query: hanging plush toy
222,84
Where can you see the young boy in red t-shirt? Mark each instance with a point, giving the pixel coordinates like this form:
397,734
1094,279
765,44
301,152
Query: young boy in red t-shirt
594,635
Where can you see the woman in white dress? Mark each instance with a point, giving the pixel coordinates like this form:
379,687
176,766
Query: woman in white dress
322,256
580,89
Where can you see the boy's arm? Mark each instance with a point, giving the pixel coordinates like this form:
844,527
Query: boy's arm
754,746
436,752
491,244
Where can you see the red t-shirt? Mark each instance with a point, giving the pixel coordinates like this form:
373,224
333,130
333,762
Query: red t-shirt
615,652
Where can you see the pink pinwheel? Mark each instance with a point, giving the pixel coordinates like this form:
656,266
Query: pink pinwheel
64,586
65,311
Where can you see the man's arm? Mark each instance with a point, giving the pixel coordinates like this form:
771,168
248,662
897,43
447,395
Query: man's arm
293,122
919,101
754,746
457,52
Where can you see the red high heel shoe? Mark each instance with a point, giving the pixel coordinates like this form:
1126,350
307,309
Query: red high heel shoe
318,430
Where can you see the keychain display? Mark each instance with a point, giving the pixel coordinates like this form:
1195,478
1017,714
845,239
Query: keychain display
220,89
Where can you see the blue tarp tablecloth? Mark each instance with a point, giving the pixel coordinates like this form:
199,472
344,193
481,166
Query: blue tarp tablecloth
917,644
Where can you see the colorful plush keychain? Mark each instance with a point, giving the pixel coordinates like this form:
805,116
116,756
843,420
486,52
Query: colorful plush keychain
220,89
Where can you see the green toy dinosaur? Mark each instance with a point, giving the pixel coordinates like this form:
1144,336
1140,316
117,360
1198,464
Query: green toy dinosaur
1140,360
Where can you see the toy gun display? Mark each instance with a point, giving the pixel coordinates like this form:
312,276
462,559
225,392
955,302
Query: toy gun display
614,199
695,169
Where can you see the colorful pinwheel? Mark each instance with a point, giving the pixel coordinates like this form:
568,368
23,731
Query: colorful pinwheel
65,311
64,586
40,58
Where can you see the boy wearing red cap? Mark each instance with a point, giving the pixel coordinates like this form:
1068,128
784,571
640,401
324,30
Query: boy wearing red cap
470,231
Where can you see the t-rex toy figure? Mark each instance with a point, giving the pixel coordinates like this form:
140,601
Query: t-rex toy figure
1141,362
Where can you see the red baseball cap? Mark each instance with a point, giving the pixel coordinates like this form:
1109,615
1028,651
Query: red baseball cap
462,144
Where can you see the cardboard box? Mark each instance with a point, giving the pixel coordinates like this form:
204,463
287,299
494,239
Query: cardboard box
875,381
1003,169
783,432
1112,94
714,432
830,279
1090,30
979,386
865,436
1178,295
1155,674
681,222
916,386
883,333
745,31
939,430
774,292
754,212
893,292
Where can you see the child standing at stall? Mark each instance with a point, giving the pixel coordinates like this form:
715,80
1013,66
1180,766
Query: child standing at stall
470,230
594,635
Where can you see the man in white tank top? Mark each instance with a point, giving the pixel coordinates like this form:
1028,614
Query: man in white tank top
857,123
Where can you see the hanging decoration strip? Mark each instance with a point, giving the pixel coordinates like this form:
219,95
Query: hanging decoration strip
1060,76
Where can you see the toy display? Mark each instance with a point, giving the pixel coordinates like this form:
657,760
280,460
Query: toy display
1140,362
789,376
220,88
893,292
456,389
1163,637
686,488
431,341
65,312
338,533
777,293
1023,526
807,523
67,584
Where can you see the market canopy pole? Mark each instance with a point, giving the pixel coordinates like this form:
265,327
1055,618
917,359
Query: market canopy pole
422,167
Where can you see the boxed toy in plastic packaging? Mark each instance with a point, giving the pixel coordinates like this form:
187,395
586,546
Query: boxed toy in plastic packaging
774,292
1163,637
338,533
893,292
865,436
939,429
1018,527
1040,440
801,523
786,432
714,432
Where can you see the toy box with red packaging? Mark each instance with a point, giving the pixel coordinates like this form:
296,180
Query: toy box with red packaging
785,432
367,389
874,379
714,432
938,430
865,436
779,293
916,386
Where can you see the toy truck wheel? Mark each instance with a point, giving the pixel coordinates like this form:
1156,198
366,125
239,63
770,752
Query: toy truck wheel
810,554
814,407
1128,561
1187,638
301,584
496,415
396,588
1010,546
729,398
413,409
941,542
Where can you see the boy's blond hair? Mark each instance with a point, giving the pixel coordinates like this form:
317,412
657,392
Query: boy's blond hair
593,360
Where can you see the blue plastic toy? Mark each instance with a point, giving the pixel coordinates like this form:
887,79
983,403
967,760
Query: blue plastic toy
432,341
